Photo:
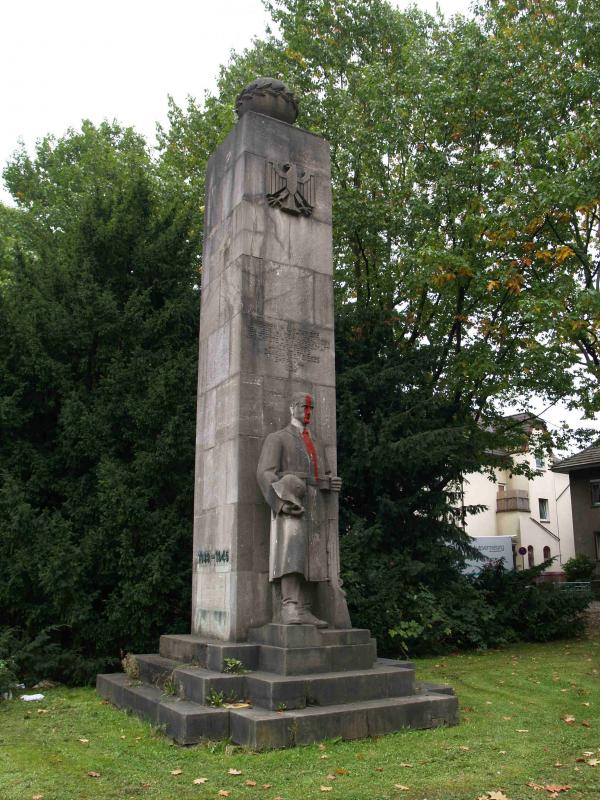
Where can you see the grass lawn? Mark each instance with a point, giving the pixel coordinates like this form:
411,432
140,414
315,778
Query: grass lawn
512,733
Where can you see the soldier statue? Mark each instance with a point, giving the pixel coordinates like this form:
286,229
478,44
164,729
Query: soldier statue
296,482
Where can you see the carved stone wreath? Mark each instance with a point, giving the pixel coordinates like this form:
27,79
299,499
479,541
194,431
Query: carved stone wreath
270,97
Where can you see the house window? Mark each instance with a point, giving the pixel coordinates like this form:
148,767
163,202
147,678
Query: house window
530,556
597,535
547,553
595,488
501,487
544,508
539,462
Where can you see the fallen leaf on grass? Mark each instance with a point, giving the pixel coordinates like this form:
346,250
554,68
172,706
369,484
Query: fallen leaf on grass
84,741
464,747
402,788
568,718
342,771
37,797
555,788
326,788
580,760
329,777
594,762
324,756
43,711
522,730
223,793
493,796
250,783
232,771
92,774
586,724
322,746
267,785
198,781
378,769
502,752
176,771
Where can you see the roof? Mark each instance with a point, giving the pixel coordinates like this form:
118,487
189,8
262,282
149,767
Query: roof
590,457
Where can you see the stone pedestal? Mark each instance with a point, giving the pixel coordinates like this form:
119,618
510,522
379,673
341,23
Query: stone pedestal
266,332
299,685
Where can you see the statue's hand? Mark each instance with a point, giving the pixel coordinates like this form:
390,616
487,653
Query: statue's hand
292,508
335,484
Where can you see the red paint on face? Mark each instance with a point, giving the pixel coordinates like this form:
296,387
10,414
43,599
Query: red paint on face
307,409
308,442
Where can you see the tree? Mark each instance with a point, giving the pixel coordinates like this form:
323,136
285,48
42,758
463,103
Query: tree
98,366
440,319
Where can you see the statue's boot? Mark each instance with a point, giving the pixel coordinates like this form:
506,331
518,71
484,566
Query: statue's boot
291,600
296,606
306,618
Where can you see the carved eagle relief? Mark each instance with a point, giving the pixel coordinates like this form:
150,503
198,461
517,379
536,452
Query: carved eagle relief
290,189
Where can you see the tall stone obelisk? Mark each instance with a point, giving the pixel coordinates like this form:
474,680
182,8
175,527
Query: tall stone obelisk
266,365
266,333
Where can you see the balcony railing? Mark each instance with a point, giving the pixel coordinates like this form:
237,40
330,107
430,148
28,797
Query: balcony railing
512,500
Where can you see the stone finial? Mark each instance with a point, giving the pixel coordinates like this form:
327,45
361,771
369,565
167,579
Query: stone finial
270,97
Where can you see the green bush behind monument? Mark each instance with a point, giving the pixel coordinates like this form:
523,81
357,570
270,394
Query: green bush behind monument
98,362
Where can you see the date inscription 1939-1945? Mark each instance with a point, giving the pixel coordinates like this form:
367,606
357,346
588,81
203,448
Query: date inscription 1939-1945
217,557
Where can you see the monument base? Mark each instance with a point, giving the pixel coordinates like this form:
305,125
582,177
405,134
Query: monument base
299,685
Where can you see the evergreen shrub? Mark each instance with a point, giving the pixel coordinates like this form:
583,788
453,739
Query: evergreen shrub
579,568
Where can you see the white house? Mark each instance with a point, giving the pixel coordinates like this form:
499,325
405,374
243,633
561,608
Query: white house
535,513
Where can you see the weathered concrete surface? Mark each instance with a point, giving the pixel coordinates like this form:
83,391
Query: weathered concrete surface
283,710
266,332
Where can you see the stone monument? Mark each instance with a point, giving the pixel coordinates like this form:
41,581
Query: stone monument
270,626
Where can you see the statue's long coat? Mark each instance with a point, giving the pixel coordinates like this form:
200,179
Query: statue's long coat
298,544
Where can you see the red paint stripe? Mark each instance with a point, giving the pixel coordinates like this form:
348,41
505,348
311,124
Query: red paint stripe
312,453
308,442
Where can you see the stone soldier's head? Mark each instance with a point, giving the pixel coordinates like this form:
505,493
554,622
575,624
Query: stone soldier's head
301,407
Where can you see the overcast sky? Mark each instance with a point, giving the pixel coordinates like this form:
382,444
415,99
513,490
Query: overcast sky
65,60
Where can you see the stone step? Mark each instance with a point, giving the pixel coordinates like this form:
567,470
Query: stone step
292,636
191,683
189,722
184,721
207,653
274,692
271,691
305,660
260,729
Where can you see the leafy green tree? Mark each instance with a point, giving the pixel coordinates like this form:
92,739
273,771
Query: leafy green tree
437,324
543,81
98,366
